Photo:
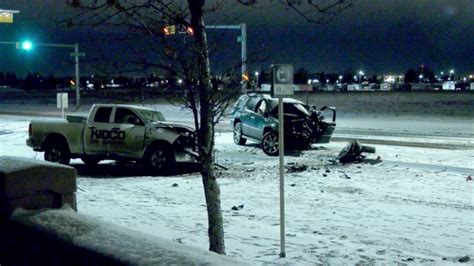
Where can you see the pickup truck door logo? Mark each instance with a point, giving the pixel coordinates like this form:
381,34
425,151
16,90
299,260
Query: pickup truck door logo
107,134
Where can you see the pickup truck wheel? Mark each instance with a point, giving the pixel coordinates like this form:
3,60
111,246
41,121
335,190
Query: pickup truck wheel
89,161
270,143
57,153
161,160
238,134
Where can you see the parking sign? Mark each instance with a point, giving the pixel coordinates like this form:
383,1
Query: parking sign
282,80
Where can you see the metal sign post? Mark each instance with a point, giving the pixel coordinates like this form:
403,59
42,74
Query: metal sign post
282,86
62,102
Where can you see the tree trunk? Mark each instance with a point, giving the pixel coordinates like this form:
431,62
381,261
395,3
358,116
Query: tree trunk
206,131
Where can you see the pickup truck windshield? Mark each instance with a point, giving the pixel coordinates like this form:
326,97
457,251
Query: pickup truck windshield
151,116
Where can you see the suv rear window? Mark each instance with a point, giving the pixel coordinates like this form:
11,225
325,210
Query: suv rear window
103,114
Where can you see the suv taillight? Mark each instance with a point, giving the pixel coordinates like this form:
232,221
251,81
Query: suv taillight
30,130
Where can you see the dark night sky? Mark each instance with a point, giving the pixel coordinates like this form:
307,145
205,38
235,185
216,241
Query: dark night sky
377,36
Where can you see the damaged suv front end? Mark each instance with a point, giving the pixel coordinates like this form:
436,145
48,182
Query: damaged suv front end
255,117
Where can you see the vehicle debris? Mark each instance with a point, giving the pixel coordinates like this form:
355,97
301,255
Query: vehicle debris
352,152
345,176
236,208
295,167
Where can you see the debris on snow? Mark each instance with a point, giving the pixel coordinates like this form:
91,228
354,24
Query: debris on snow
468,178
236,208
345,176
464,259
295,167
174,185
352,152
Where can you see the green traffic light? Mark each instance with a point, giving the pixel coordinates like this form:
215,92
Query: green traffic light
26,45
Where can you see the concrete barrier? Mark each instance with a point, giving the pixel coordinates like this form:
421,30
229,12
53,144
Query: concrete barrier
35,184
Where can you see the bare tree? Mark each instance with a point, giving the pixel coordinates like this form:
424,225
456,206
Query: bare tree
186,57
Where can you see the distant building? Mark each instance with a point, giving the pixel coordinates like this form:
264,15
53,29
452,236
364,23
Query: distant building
303,87
387,87
392,78
449,86
354,87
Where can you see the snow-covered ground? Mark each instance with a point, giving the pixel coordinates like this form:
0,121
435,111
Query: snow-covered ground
415,206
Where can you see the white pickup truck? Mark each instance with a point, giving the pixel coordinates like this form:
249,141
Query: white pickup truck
116,132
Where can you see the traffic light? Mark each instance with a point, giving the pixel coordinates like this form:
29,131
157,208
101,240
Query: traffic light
173,29
189,30
24,45
169,29
245,77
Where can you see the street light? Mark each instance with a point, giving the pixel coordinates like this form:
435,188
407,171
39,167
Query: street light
361,74
26,45
421,78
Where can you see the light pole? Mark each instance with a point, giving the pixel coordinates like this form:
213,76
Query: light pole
28,45
420,77
451,74
361,74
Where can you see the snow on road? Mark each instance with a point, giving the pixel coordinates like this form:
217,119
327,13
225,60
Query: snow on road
415,206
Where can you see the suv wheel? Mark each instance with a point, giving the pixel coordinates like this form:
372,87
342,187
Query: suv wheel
270,143
238,134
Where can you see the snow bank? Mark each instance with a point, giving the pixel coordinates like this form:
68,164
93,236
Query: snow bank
59,235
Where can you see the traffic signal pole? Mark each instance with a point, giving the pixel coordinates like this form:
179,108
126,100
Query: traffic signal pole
76,62
243,32
76,56
243,41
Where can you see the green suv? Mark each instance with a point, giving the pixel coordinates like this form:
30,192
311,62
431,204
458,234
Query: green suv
255,118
